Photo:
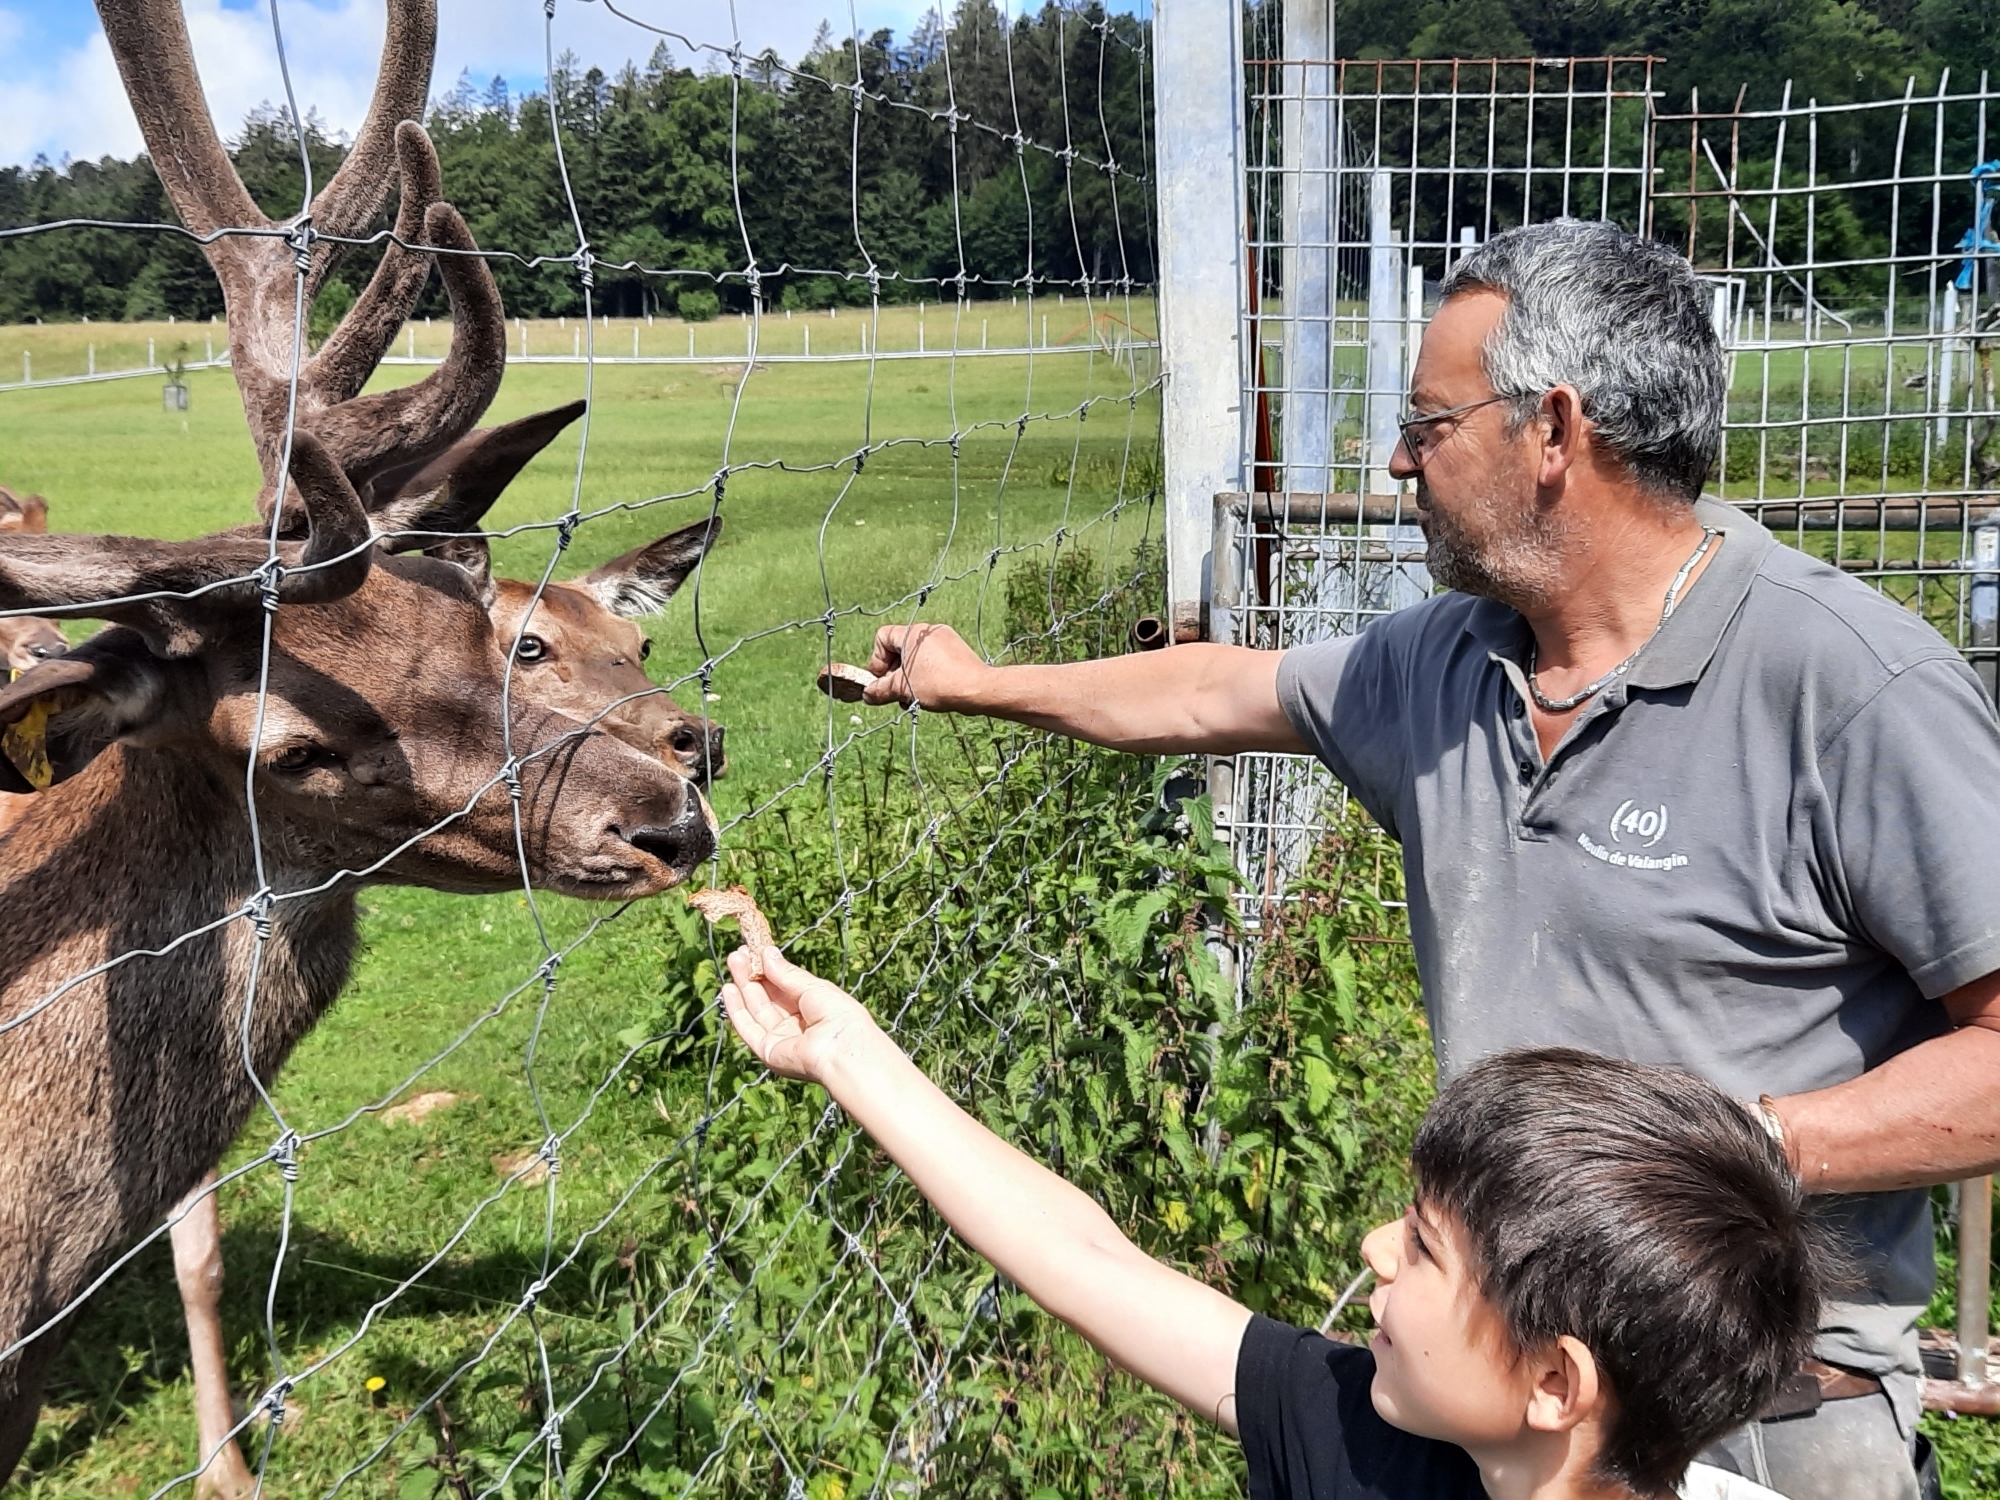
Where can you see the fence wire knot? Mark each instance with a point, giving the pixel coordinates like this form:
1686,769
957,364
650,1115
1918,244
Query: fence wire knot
274,1401
285,1152
550,1155
586,266
300,239
270,580
258,910
566,530
511,774
533,1295
547,972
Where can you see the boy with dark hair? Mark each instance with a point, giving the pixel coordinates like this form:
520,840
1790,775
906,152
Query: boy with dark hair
1606,1267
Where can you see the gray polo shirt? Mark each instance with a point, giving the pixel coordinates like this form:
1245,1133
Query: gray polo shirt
1761,856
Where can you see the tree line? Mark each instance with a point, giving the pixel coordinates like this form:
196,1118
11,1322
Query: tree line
983,155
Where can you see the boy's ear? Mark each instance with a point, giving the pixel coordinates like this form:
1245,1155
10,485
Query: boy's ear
1568,1389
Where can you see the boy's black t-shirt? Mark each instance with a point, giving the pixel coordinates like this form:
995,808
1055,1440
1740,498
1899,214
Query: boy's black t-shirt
1310,1431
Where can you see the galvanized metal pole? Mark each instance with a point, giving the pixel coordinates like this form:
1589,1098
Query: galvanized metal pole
1386,335
1975,1263
1983,638
1198,77
1975,1197
1311,155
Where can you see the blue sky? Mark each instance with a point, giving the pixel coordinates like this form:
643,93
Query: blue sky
60,96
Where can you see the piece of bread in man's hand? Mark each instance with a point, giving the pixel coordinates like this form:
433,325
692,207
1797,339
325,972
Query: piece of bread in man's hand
719,906
845,683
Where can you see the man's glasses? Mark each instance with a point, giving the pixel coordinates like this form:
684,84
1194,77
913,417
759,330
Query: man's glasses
1417,434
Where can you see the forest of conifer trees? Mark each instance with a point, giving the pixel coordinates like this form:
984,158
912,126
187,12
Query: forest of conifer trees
826,191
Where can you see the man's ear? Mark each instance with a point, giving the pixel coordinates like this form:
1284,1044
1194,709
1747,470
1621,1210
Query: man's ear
1568,1389
56,718
644,579
1563,423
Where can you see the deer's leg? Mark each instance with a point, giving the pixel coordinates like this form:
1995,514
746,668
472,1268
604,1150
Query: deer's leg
21,1395
197,1238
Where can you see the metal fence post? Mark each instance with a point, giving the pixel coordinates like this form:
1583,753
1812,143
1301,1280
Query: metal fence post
1198,73
1983,637
1975,1260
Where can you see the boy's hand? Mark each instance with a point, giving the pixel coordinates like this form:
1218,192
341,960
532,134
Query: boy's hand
793,1020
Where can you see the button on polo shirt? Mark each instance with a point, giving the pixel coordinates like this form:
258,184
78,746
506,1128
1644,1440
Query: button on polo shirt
1761,855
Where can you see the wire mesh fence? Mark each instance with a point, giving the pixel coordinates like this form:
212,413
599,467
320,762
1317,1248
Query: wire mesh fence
737,1295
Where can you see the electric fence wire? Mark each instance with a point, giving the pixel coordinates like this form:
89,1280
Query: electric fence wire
920,1423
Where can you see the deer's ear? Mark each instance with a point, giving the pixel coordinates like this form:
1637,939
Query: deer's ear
644,579
56,718
410,508
472,554
29,513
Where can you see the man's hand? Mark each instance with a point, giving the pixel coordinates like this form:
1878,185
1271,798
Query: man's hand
793,1020
1199,699
928,664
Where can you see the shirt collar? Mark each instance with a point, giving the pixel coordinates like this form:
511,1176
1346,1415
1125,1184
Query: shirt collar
1687,642
1682,650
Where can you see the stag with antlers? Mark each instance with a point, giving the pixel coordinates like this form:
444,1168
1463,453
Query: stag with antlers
139,897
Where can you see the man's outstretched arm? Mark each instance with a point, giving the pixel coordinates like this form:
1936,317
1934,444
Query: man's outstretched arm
1200,698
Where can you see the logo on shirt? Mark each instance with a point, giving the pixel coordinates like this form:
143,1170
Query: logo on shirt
1634,828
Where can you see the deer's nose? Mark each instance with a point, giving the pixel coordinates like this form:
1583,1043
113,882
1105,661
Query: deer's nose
699,752
681,844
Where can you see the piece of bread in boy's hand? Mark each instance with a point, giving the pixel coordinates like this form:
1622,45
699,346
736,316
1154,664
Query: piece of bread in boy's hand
718,906
845,683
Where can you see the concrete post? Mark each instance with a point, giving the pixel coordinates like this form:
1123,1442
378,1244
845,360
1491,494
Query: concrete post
1198,76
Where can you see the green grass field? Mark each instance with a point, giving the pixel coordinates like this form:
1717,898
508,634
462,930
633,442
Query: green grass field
377,1200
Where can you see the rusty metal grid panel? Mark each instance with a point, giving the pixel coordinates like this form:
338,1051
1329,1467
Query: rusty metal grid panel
1856,280
1366,180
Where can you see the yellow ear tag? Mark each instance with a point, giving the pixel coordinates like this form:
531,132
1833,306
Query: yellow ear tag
26,743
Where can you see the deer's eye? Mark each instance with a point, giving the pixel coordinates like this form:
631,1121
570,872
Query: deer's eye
531,648
645,649
294,758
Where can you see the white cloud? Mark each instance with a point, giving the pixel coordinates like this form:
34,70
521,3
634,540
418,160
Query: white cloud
67,100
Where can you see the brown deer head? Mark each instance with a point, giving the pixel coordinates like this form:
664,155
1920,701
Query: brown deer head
386,711
578,650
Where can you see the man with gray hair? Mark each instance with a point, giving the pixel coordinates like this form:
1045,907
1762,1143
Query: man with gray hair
1665,788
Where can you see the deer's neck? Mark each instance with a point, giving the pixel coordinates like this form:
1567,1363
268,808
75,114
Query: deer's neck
137,851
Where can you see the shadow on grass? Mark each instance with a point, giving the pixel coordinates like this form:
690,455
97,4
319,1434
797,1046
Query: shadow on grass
130,1340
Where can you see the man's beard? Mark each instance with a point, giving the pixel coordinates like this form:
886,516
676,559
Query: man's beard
1487,547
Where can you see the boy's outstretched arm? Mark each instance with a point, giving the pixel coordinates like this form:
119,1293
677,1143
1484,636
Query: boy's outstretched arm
1170,1330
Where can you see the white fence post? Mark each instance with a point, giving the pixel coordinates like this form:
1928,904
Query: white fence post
1312,156
1198,78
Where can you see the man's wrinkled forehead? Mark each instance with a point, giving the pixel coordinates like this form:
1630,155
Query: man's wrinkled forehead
1449,369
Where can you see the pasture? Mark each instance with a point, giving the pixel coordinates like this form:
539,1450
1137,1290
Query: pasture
377,1200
